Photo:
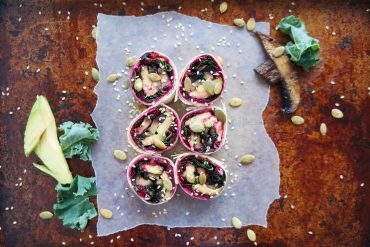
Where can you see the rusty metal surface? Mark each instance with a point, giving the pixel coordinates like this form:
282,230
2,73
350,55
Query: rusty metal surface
320,209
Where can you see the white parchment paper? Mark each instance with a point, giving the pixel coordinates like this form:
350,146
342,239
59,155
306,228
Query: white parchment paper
249,189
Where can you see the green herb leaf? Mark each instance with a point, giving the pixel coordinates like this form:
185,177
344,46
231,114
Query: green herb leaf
303,49
77,139
73,206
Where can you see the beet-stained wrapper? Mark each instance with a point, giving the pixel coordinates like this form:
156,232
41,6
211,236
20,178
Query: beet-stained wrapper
202,177
155,130
153,78
204,130
152,178
202,81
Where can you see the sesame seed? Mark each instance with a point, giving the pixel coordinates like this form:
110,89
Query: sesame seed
63,243
341,177
187,243
132,240
111,241
332,82
292,206
310,232
91,242
14,222
118,237
334,33
362,184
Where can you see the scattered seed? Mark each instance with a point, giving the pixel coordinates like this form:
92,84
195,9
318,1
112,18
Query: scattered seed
119,154
223,7
239,22
236,223
297,120
323,129
93,33
247,159
251,235
113,77
336,113
45,215
220,60
131,60
202,178
95,74
220,115
126,84
138,85
235,102
251,24
106,213
278,51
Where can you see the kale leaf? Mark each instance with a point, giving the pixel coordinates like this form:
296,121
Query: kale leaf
77,139
73,206
303,49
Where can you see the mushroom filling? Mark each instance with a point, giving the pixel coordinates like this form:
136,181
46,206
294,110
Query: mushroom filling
200,177
202,131
152,179
153,77
157,130
203,80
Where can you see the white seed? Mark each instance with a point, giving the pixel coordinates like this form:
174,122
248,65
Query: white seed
95,74
223,7
239,22
247,159
278,51
113,77
131,60
323,129
236,223
119,154
93,33
251,24
297,120
106,213
251,235
336,113
235,102
45,215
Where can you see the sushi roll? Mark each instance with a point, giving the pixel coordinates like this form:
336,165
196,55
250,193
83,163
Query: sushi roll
152,178
200,176
155,130
202,81
153,79
203,130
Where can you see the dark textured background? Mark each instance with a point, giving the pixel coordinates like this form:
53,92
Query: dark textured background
337,211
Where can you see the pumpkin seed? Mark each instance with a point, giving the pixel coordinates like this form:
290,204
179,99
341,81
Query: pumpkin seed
187,84
119,154
251,235
154,77
197,128
202,178
278,51
223,7
167,184
217,85
45,215
239,22
113,77
297,120
220,115
336,113
247,159
93,33
158,143
208,85
138,85
251,24
235,102
220,60
131,60
236,223
95,74
126,84
106,213
323,129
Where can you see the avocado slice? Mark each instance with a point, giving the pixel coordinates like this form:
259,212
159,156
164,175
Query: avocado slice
149,87
204,189
189,173
41,137
154,169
